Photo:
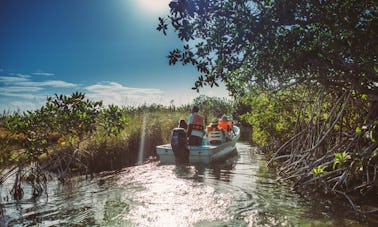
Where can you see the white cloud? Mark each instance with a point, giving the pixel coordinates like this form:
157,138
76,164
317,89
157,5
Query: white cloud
22,95
21,101
20,92
13,79
16,89
25,81
115,93
25,105
48,83
43,74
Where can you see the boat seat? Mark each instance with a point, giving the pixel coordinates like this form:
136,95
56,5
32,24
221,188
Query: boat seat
215,137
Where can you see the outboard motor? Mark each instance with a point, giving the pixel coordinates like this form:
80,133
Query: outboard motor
180,146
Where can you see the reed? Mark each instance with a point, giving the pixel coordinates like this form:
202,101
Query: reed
111,153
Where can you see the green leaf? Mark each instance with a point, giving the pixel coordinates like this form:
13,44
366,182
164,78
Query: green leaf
319,170
358,130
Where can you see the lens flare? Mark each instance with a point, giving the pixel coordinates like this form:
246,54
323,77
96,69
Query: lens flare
153,6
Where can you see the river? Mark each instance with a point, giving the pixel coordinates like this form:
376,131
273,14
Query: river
240,192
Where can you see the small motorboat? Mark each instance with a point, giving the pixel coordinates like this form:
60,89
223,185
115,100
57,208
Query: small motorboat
205,154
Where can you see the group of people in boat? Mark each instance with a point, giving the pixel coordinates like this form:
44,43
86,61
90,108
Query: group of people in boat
217,132
192,133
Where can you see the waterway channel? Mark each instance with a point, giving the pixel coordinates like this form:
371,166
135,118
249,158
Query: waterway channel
240,192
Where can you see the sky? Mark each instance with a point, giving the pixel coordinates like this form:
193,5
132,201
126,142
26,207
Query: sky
108,49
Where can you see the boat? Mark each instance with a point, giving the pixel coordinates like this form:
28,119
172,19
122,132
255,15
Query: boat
205,154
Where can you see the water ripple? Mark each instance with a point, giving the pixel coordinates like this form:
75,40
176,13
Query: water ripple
171,198
240,192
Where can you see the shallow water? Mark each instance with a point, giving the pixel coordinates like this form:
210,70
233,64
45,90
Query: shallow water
239,192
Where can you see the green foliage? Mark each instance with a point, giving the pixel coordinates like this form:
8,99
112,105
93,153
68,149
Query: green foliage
272,117
307,70
212,107
113,120
318,171
72,116
36,135
341,159
358,130
274,43
34,128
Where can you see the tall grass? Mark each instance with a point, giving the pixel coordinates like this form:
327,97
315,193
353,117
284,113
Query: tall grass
110,153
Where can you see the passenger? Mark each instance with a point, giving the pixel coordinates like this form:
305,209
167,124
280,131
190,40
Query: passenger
196,127
213,126
226,123
183,124
179,144
230,124
223,123
214,134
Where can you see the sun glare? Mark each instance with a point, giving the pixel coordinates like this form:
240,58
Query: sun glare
153,6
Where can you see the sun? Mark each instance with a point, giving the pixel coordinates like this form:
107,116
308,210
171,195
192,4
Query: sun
153,6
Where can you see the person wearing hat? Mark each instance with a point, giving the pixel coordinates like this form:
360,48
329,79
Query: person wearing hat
196,125
214,134
225,123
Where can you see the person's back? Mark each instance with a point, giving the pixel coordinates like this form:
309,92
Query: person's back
226,123
214,134
196,126
179,143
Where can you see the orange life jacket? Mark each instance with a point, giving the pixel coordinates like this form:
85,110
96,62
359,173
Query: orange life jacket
198,122
226,125
196,127
223,124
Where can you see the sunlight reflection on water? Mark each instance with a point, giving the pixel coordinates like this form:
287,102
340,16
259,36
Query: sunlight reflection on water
142,140
168,200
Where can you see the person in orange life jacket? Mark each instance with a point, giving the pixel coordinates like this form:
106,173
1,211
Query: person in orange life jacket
226,124
213,126
214,134
196,125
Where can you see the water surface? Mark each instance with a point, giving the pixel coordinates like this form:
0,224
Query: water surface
239,192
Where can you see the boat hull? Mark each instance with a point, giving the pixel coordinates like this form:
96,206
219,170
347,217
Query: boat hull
201,154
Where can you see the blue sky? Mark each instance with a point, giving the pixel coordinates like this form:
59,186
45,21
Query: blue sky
109,49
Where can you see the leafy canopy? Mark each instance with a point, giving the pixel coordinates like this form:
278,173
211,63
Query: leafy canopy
277,43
